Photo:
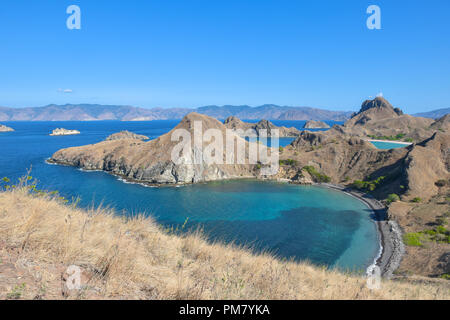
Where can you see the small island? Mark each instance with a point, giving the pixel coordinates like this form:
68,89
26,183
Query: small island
312,124
64,132
126,135
4,128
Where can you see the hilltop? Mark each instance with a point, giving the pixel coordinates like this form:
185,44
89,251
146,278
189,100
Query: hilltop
378,118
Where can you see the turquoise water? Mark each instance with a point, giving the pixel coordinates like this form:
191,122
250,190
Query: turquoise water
324,226
388,145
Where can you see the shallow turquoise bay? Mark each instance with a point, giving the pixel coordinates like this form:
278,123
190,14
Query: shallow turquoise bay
314,223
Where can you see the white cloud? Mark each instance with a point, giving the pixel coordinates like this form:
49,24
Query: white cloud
65,90
380,95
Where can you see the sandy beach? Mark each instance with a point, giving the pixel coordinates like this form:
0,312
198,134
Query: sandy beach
390,233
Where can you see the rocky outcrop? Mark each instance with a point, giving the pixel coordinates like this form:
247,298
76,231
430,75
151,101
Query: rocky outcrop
64,132
126,135
4,128
151,162
236,124
316,125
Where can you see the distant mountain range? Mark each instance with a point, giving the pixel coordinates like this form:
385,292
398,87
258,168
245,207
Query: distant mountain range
90,112
435,114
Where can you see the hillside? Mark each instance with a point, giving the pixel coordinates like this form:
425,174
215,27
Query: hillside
90,112
136,259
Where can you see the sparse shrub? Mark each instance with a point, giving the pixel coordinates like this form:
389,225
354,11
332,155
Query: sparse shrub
442,221
368,185
441,183
16,292
392,198
280,149
441,230
318,177
288,162
413,239
416,200
445,276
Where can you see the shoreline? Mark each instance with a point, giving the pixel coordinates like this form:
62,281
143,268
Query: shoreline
392,247
390,141
391,244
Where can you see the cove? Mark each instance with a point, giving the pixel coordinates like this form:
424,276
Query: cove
323,226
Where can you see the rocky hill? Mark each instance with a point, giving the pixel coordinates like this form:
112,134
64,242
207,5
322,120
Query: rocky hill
151,162
4,128
90,112
316,125
379,119
235,123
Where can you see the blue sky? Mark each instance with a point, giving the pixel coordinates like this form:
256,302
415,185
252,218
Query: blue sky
190,53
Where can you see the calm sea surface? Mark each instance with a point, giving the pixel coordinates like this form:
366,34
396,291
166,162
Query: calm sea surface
300,222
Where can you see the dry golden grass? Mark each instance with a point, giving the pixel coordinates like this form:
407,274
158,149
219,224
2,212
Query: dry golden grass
135,259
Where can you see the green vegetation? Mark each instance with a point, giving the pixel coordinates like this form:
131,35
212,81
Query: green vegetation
280,149
25,183
413,239
445,276
392,198
417,200
368,185
288,162
318,177
398,137
439,234
16,292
